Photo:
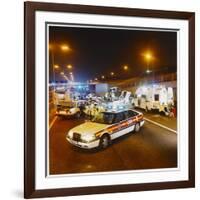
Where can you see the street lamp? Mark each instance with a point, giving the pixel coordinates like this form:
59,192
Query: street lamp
56,66
52,48
69,66
125,67
65,47
102,76
112,73
148,57
148,71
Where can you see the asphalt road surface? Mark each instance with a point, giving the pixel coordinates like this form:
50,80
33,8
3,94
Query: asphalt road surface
152,147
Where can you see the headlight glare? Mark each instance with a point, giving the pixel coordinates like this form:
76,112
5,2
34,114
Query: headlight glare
88,137
70,134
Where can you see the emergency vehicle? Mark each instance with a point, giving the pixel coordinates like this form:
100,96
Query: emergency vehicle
62,95
110,102
123,101
105,127
154,97
70,108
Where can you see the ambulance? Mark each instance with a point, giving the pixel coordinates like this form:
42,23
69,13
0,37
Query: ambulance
154,97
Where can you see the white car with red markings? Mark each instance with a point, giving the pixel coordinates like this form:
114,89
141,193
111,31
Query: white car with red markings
105,127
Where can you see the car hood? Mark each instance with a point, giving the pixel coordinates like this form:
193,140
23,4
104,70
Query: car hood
89,127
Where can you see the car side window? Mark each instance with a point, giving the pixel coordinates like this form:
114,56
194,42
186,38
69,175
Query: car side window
119,117
126,116
108,118
131,113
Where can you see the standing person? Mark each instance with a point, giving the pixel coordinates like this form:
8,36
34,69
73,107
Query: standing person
174,111
171,114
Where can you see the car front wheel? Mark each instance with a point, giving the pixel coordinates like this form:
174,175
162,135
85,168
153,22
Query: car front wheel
78,115
104,142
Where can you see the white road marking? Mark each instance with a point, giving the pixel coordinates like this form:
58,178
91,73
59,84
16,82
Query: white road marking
52,123
160,125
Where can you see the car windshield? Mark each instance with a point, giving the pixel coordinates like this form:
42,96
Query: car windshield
60,91
104,118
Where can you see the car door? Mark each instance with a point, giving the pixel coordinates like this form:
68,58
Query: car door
122,125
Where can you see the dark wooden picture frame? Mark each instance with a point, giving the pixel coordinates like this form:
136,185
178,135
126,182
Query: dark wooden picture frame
29,107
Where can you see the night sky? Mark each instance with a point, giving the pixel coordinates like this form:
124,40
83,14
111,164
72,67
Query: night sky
95,52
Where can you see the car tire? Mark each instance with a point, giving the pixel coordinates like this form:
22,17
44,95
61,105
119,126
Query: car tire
104,142
137,127
78,115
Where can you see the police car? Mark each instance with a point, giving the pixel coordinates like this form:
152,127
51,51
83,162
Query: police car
105,127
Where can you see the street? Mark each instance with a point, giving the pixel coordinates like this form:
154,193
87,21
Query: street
152,147
137,74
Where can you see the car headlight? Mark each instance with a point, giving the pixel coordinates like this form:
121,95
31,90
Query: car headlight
70,134
88,137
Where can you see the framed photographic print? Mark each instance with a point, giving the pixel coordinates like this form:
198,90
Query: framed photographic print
109,99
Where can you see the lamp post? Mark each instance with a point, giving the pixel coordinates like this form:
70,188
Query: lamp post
64,76
52,62
54,77
148,57
69,66
63,48
125,67
71,76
